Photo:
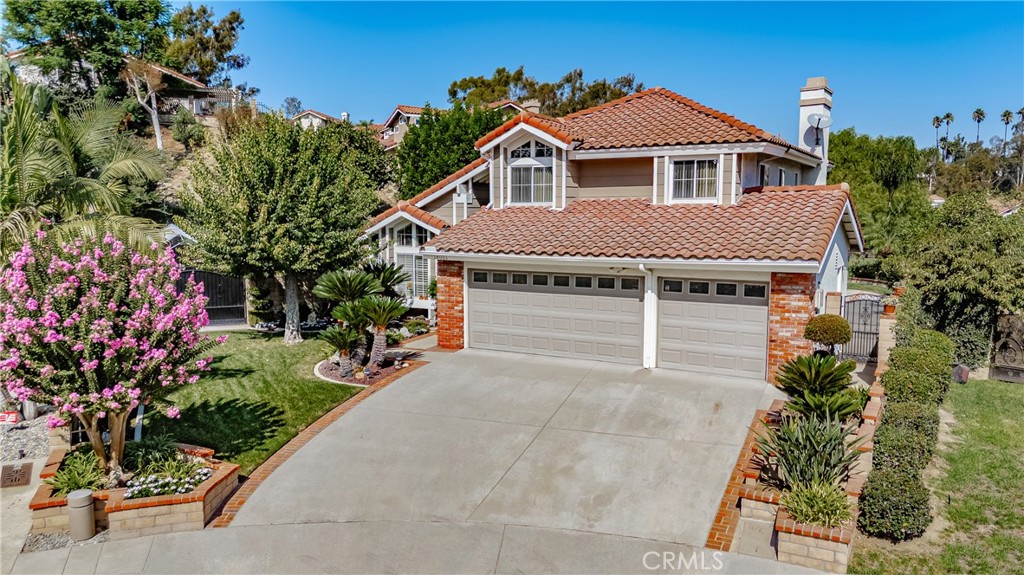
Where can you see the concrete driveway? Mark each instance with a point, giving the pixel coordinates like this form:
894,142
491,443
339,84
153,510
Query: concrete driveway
498,462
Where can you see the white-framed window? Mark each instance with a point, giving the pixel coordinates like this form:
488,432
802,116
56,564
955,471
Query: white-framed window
531,174
695,180
764,175
402,119
796,178
782,177
404,236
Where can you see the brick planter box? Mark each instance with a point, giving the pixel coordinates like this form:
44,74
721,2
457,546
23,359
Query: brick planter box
757,502
821,548
126,518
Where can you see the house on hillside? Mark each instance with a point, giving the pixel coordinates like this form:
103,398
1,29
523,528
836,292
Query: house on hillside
397,125
652,231
314,119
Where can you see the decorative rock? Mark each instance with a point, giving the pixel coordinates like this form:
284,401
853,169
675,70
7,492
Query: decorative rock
360,375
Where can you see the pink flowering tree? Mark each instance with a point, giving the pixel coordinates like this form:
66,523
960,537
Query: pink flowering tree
94,328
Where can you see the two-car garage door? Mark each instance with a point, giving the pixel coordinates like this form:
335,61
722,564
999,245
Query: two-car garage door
712,326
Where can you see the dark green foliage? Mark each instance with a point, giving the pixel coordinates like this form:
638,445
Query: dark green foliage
441,143
805,450
921,360
346,286
150,450
417,325
901,448
395,337
390,276
80,470
204,50
187,130
934,342
865,267
894,505
817,503
828,330
907,386
914,418
819,385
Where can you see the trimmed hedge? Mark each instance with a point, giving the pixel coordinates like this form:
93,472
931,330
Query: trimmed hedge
913,417
894,505
828,329
907,386
902,449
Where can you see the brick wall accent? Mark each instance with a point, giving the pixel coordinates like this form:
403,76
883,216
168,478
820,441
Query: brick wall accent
450,305
790,307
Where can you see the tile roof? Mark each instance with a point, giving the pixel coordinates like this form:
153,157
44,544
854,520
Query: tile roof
415,200
418,214
321,115
780,224
410,109
654,117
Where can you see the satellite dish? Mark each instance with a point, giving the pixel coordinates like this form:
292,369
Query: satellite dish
819,121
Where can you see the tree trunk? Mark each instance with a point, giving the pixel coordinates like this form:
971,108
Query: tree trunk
359,353
346,363
292,330
156,122
95,437
380,343
116,424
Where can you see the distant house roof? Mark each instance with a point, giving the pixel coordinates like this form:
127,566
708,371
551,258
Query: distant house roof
316,114
794,223
655,117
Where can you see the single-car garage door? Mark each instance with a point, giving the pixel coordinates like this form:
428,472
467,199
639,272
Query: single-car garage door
714,326
587,316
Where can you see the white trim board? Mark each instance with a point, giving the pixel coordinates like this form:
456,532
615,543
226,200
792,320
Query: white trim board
396,216
797,266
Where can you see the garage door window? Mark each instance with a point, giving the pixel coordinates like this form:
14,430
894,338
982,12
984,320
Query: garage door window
499,278
725,289
700,288
519,279
754,291
480,277
584,282
605,283
672,286
561,281
540,280
630,284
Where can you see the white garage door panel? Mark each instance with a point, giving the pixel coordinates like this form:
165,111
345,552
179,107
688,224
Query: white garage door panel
714,335
578,323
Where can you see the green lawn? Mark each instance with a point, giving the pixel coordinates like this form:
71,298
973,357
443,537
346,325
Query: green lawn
258,395
983,481
873,288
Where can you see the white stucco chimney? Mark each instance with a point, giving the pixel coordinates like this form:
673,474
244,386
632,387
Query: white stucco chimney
815,122
344,116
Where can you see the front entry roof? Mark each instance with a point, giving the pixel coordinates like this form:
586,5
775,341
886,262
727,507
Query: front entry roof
779,224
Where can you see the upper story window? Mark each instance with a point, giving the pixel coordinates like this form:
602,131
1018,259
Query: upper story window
796,178
402,119
695,180
404,236
782,177
531,174
422,235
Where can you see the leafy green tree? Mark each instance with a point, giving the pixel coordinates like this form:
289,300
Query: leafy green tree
74,171
503,84
187,130
279,200
78,39
895,162
967,268
203,49
441,143
292,106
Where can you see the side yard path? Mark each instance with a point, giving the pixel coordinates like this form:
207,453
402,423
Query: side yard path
977,481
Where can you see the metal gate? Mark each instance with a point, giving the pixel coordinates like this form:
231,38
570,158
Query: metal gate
226,295
862,311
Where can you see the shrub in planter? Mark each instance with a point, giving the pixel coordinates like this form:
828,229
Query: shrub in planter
817,503
901,448
903,385
417,325
806,449
819,385
828,330
894,505
151,450
79,470
913,417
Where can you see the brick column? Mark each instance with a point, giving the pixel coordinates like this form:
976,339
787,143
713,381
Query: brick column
450,304
790,307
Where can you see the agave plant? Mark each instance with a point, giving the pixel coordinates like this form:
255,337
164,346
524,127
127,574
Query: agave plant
380,311
804,450
389,275
343,339
352,315
346,286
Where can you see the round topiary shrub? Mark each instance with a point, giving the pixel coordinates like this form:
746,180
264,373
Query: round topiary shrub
913,417
903,385
935,342
894,505
900,448
829,330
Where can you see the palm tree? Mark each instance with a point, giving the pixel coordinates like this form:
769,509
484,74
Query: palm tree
351,314
978,116
948,119
381,311
346,286
936,122
389,275
343,339
71,170
1007,117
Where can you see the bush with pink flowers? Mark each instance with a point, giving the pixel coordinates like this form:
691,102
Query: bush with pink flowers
94,328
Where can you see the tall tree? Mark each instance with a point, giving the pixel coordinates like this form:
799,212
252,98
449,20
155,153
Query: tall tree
73,170
144,82
440,143
1007,118
205,50
936,123
275,199
894,162
503,84
292,106
948,119
84,42
978,116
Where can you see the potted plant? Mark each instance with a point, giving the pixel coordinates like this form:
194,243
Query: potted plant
889,304
898,289
828,330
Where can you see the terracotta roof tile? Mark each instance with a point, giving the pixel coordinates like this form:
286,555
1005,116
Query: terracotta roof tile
321,115
410,109
415,200
655,117
418,214
788,224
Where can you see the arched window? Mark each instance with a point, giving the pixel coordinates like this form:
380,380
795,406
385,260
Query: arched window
531,173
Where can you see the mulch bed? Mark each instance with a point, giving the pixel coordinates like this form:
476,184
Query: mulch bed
333,372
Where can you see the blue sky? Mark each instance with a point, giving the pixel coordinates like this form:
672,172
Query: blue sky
893,66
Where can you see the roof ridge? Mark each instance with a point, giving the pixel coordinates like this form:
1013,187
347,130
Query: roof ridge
716,114
612,103
446,180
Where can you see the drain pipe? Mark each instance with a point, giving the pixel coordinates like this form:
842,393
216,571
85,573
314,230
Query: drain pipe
650,317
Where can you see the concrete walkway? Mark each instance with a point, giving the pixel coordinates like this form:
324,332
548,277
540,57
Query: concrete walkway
486,462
